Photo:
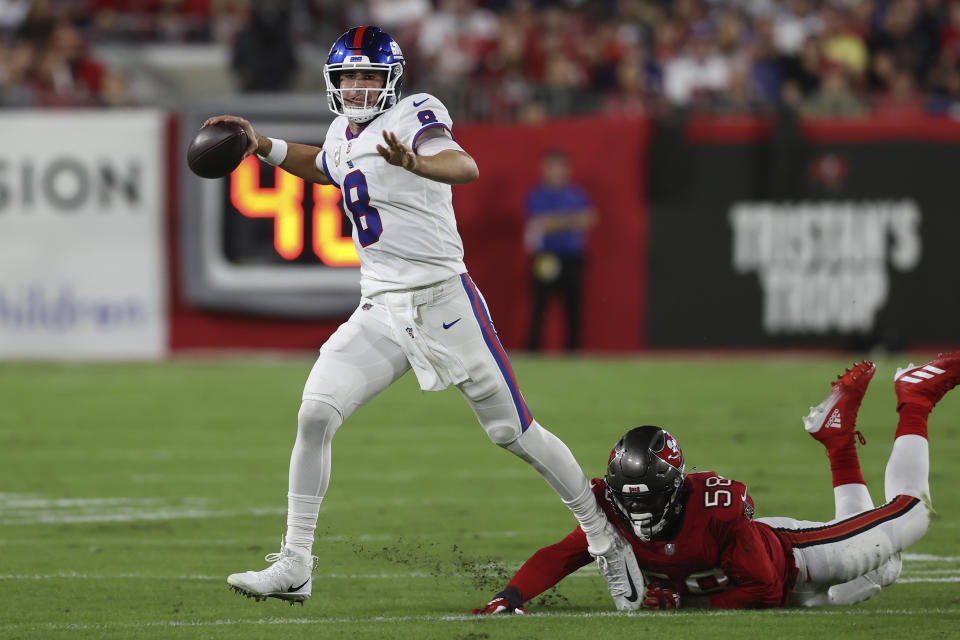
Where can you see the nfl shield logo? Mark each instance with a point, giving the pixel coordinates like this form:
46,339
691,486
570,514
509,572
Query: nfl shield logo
669,549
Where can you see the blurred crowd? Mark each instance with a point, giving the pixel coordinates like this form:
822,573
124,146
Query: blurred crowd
529,59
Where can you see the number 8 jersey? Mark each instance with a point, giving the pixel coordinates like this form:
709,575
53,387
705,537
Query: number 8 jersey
404,227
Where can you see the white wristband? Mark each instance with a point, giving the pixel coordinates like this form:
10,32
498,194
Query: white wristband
278,152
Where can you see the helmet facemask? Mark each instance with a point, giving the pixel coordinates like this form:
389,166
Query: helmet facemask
377,99
647,512
644,480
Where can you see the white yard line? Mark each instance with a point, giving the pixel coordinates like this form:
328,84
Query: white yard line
587,572
910,571
926,580
81,510
205,542
926,557
171,513
463,618
142,576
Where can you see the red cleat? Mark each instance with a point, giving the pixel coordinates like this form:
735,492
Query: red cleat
925,385
833,422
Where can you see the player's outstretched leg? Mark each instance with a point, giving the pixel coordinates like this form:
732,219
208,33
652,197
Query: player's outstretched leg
918,389
833,423
859,544
860,547
288,578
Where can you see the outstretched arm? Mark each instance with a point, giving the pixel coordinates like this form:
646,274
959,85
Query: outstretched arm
301,159
545,568
450,166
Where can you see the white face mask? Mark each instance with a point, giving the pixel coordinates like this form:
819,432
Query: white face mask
376,100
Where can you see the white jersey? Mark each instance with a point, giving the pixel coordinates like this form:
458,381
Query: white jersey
403,225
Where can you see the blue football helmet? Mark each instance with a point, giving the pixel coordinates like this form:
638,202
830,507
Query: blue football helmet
364,48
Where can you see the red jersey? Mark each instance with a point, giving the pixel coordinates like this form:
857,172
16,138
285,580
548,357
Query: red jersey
719,552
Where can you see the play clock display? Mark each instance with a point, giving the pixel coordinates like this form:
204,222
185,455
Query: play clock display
261,240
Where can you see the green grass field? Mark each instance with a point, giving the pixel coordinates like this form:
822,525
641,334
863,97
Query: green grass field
129,492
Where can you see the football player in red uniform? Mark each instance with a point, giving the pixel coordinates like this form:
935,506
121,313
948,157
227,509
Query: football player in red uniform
696,543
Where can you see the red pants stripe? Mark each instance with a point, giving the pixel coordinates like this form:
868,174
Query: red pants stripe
844,529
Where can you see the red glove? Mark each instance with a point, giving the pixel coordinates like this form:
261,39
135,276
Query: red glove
659,597
510,600
499,605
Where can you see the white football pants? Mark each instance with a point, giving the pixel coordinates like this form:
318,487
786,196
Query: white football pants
850,559
363,357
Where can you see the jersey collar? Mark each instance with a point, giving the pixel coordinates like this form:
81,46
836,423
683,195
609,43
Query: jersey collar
363,126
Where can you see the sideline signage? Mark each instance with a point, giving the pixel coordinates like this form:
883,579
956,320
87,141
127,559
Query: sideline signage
809,235
82,264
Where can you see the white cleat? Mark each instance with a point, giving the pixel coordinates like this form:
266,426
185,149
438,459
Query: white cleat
618,566
289,578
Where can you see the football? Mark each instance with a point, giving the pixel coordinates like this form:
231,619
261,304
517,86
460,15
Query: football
216,150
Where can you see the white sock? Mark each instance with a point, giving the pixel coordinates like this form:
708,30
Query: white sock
309,477
908,468
851,499
302,512
592,519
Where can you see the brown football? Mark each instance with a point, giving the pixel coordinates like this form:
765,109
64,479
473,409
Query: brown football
217,149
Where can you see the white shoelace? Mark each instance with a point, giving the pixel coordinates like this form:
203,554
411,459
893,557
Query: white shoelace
616,581
283,562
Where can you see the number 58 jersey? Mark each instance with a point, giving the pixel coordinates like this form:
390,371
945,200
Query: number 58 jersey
404,226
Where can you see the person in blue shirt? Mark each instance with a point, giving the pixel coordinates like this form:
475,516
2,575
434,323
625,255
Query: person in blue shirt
559,215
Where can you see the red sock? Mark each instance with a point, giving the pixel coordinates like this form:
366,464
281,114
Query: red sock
913,419
845,465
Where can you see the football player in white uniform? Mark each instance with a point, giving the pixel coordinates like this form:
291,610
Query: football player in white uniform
395,161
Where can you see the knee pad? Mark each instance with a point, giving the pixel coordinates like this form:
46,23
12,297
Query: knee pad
503,434
316,417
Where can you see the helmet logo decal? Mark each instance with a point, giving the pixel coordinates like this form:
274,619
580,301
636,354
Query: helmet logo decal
674,449
670,453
